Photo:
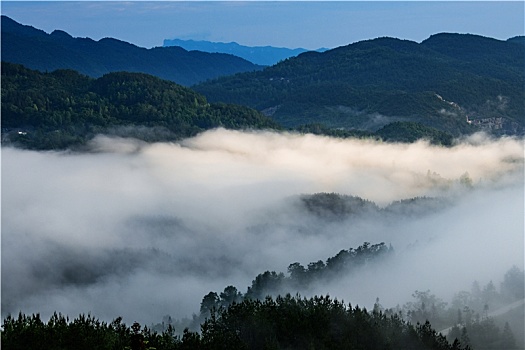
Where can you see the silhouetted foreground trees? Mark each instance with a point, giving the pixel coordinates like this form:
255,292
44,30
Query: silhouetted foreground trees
466,321
316,323
281,323
258,320
299,278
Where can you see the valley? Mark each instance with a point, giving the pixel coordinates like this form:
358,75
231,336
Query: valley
368,195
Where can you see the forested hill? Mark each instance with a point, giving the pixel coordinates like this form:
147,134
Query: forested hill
65,108
36,49
366,85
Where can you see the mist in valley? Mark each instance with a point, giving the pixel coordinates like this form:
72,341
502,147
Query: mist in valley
126,228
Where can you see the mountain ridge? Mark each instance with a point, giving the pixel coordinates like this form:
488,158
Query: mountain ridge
262,55
390,79
36,49
65,108
456,83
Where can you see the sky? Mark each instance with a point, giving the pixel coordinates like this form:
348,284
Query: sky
292,24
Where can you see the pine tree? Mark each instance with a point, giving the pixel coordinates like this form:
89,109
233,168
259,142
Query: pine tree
465,340
508,340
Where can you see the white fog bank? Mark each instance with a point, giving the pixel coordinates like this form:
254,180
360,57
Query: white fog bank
143,230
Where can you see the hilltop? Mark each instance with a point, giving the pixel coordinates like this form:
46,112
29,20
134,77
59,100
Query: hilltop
65,108
458,83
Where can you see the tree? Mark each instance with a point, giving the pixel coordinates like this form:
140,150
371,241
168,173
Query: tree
209,304
315,269
469,313
190,340
265,284
465,340
378,308
229,296
512,287
427,307
489,293
460,318
297,274
508,340
137,339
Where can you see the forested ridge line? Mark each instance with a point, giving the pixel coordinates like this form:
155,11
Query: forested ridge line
453,82
65,108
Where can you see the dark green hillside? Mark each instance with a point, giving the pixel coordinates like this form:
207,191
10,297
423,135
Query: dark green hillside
481,55
334,206
64,108
369,84
411,132
36,49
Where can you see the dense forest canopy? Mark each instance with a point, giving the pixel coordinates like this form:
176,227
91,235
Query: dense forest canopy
465,318
283,323
64,108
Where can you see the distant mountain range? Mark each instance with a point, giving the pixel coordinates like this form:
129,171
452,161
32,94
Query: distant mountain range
453,82
36,49
263,55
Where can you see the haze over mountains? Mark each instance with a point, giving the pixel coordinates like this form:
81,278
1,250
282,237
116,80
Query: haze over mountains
263,55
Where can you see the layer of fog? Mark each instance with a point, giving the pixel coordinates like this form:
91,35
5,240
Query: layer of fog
143,230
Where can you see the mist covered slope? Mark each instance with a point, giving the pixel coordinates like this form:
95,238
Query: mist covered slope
439,82
39,50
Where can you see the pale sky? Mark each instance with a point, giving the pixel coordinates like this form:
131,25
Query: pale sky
290,24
